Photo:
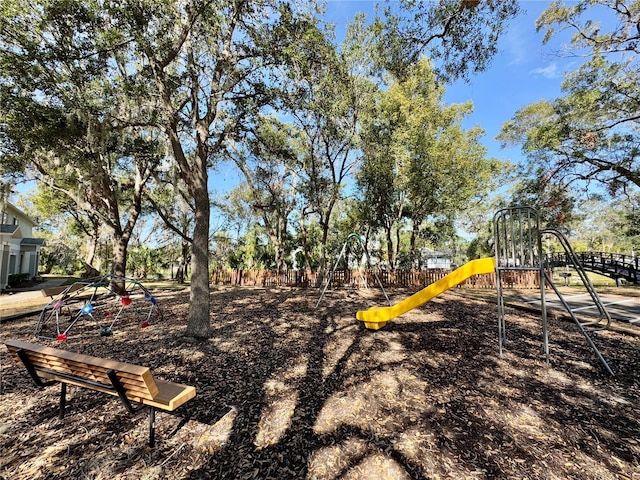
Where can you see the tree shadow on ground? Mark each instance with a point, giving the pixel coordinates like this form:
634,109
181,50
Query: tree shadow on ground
314,395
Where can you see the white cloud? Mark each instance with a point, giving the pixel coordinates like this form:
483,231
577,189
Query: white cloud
517,46
551,71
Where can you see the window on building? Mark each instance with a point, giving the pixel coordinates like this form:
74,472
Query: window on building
12,264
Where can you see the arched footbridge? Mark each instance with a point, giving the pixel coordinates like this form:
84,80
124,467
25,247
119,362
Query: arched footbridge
612,265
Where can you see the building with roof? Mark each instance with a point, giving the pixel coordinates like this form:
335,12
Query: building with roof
19,251
436,260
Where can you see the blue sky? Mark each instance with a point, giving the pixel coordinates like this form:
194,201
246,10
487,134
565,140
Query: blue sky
523,72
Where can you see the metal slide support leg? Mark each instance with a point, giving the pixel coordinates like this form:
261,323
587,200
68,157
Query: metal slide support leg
580,327
501,323
543,311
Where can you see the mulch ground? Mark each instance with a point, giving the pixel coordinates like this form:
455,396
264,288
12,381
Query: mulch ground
286,391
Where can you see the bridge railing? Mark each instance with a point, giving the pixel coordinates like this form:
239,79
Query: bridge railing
605,258
613,264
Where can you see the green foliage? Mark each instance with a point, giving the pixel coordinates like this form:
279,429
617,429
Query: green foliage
144,262
591,133
627,224
308,241
588,34
167,196
555,203
347,220
480,247
60,254
251,252
222,250
460,37
72,114
95,96
268,166
325,100
419,164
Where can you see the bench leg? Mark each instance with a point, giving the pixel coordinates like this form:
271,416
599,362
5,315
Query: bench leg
63,398
152,426
32,369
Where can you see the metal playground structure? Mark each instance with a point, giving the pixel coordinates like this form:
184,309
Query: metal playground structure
353,250
518,247
93,307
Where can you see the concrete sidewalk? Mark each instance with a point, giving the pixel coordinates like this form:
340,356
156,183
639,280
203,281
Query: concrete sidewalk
23,302
22,294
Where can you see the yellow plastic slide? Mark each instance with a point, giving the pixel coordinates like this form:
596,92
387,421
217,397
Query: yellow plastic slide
377,317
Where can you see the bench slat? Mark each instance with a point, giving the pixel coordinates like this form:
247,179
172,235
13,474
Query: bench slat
133,381
138,381
139,384
78,357
82,368
133,392
170,396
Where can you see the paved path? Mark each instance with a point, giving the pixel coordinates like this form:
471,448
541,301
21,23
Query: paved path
621,308
20,295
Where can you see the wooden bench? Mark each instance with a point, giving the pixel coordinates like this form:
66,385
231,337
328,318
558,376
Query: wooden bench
132,383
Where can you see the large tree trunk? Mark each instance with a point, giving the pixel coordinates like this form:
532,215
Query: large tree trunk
416,261
279,246
92,247
323,267
276,237
306,248
278,254
120,243
90,257
397,249
390,250
198,323
181,274
278,241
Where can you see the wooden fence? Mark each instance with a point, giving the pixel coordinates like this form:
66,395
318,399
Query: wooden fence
356,279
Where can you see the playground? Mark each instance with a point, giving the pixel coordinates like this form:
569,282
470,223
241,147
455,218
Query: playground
289,391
